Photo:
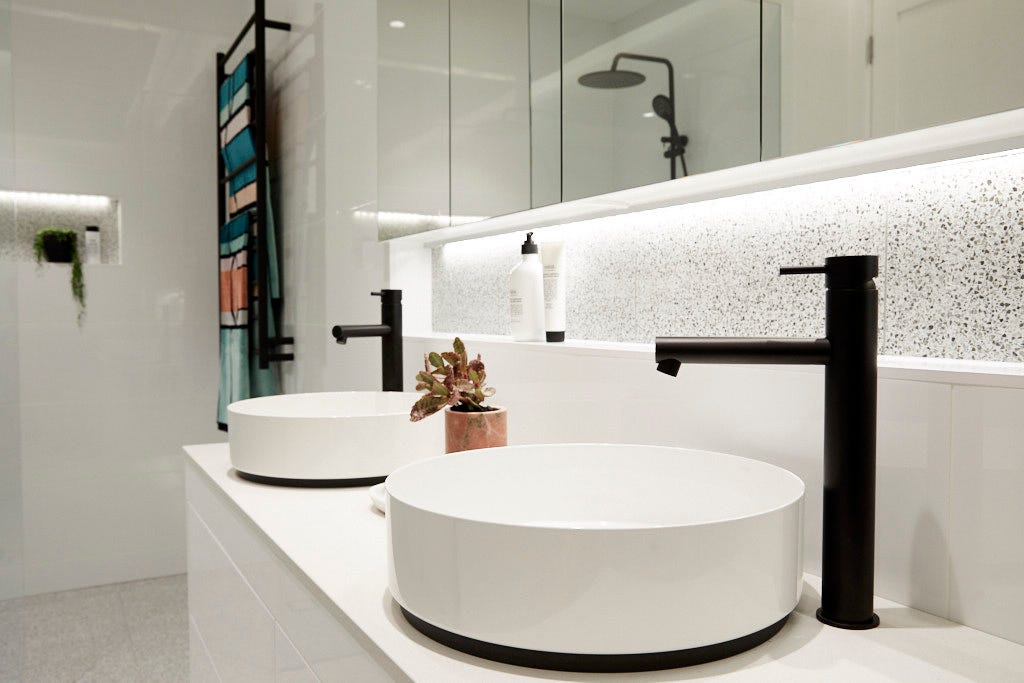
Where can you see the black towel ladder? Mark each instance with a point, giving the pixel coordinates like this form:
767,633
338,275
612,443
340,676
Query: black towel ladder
260,343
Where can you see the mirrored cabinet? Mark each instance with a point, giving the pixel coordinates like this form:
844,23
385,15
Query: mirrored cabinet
490,107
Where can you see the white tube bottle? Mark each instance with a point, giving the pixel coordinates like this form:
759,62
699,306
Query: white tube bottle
526,294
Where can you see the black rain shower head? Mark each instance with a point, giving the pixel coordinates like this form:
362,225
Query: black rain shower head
613,78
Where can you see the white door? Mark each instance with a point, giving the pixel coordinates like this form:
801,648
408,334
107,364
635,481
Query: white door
938,61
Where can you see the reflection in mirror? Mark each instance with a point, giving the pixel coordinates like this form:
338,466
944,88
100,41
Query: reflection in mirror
468,111
412,116
488,107
848,70
655,90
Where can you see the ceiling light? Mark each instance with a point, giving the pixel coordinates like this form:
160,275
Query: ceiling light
396,23
648,114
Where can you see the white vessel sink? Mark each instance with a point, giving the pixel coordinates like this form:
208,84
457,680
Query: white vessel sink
329,439
595,557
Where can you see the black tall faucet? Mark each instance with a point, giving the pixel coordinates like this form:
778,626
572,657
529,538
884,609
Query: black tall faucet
849,353
390,333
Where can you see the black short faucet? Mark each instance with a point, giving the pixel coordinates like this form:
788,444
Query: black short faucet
849,353
390,333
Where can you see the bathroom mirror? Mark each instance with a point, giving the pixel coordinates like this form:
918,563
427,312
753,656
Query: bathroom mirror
657,90
489,107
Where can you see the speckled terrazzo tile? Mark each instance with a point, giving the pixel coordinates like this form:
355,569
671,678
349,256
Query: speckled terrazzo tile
471,284
717,264
12,641
34,215
985,262
602,286
918,310
950,240
157,616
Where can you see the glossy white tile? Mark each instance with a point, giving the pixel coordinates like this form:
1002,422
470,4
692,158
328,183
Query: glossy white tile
114,99
987,510
912,494
101,529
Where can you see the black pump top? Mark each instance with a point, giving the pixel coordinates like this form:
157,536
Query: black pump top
529,246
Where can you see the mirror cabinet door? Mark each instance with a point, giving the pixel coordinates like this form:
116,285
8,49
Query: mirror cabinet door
412,117
655,91
490,108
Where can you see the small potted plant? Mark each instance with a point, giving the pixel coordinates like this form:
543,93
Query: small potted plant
452,381
57,245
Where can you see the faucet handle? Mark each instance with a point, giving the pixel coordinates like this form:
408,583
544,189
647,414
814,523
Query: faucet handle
801,270
841,272
389,296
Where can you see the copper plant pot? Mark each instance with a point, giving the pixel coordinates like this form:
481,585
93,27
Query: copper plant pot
464,431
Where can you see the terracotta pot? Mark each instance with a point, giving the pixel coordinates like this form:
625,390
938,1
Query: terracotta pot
467,431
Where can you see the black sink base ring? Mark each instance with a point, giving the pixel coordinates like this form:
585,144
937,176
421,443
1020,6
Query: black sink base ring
849,625
564,661
310,483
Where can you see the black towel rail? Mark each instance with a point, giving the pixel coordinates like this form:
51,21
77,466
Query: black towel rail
261,344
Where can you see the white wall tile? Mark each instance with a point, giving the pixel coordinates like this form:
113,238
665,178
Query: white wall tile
103,529
116,99
912,494
987,510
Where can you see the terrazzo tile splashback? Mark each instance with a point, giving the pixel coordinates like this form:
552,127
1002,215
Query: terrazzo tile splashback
23,214
950,239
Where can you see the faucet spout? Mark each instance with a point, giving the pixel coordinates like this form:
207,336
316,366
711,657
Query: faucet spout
390,333
739,350
342,333
849,353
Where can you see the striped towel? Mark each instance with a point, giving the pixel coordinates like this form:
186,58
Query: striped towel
234,91
240,375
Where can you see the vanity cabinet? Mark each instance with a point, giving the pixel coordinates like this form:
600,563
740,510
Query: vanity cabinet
251,618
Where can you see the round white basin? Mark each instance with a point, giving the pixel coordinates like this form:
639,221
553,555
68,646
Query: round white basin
337,438
595,557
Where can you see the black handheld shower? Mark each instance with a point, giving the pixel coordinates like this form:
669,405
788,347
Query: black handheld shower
662,106
665,109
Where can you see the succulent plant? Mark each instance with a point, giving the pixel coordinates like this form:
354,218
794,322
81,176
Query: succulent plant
450,378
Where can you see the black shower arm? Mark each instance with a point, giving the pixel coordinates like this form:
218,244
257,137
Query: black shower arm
658,60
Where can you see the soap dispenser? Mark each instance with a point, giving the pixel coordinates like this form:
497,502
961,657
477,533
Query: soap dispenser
526,294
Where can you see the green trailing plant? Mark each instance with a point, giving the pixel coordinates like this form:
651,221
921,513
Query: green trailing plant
450,378
68,239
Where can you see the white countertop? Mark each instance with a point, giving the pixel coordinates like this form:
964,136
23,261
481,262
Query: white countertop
336,541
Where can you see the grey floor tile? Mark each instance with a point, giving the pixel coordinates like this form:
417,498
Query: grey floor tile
135,631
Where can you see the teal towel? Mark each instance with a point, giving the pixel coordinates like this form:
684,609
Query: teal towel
239,150
240,374
233,83
235,103
244,177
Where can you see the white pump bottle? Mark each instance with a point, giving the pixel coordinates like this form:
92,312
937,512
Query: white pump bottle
526,294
